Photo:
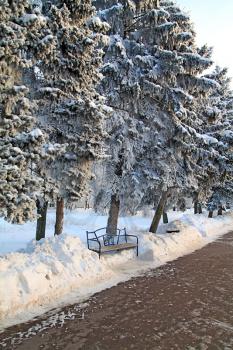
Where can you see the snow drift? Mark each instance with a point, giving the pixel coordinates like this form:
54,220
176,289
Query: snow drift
39,277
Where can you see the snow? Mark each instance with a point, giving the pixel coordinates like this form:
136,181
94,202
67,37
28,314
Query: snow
49,89
210,83
108,109
32,17
36,133
20,88
28,18
61,270
209,140
98,24
115,8
227,133
46,39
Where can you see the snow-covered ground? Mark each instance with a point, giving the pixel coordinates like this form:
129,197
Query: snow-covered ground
77,222
36,277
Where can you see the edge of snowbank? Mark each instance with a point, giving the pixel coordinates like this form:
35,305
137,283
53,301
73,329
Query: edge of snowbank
61,270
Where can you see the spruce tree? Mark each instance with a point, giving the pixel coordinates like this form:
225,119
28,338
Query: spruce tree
219,111
21,139
153,81
70,110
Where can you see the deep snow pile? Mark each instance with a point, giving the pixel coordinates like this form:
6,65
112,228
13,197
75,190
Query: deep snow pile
63,269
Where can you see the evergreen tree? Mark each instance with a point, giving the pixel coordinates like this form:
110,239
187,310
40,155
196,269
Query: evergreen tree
20,143
220,111
153,82
70,109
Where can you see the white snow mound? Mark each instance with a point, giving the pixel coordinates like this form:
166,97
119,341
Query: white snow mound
46,270
40,275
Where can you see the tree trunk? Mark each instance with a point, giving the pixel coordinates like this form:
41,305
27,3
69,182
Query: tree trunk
113,215
199,208
174,208
87,205
195,207
158,212
220,210
165,218
59,216
183,206
210,214
41,221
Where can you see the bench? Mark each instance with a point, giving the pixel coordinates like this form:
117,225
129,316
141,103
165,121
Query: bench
104,243
173,230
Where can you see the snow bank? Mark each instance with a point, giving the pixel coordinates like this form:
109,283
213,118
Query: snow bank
195,232
45,271
62,268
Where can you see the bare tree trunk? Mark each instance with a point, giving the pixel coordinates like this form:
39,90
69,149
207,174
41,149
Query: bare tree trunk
174,208
113,215
199,208
195,207
158,212
41,221
183,206
59,216
165,218
220,210
210,214
87,205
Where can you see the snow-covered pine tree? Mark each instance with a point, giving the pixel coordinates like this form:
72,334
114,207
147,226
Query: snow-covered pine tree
218,110
178,73
153,81
120,85
213,133
20,143
70,109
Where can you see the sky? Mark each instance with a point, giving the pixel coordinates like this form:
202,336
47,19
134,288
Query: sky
213,20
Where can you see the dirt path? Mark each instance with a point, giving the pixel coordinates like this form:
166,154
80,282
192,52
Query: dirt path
186,304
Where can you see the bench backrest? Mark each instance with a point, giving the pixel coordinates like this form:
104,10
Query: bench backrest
104,238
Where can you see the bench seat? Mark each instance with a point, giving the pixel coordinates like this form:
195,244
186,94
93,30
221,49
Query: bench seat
103,243
118,247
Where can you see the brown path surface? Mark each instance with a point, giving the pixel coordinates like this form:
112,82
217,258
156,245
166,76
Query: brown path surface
186,304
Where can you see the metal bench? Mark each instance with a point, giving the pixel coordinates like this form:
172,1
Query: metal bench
104,243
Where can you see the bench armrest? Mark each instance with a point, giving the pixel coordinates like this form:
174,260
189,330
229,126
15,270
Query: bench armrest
95,241
133,237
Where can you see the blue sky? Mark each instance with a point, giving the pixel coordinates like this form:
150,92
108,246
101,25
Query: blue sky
213,21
